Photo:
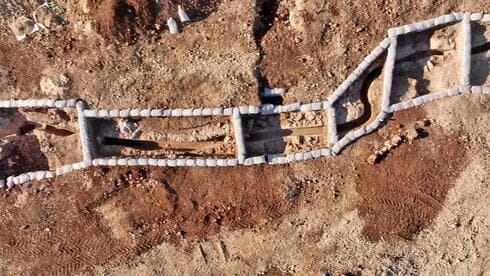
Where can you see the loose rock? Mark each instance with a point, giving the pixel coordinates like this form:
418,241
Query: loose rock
56,86
373,159
43,16
411,134
23,26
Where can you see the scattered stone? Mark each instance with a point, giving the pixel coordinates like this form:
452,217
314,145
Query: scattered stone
43,16
22,27
56,86
430,66
396,140
422,123
388,145
411,134
129,129
373,159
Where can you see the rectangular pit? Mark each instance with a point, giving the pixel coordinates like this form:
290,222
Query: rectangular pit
165,137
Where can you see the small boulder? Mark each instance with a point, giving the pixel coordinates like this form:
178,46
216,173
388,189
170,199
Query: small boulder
56,86
411,134
422,123
23,26
43,16
373,159
396,140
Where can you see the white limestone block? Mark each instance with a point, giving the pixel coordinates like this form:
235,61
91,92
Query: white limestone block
90,113
232,162
222,162
207,111
124,113
103,113
136,112
211,162
145,112
217,111
142,161
156,112
152,162
176,112
114,113
122,162
133,162
172,26
187,112
228,111
112,162
197,112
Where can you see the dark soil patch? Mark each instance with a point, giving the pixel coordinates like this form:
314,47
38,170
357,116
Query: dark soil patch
63,226
126,20
129,20
405,192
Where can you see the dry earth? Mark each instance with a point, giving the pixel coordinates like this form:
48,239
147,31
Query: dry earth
423,210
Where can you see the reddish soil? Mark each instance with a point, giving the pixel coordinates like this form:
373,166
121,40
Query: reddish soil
25,155
126,20
129,20
105,216
405,192
280,71
135,210
20,73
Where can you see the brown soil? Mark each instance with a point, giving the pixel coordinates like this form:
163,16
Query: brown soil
38,149
129,20
18,71
405,192
24,156
280,71
126,20
134,211
312,46
300,218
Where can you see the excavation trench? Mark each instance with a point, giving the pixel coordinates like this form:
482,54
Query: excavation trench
375,73
266,13
209,136
37,139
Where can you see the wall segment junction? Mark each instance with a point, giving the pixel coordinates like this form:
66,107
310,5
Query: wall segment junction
337,138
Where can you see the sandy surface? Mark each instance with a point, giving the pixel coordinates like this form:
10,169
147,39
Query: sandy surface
422,210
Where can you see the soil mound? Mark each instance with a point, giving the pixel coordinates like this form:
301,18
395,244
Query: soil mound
128,20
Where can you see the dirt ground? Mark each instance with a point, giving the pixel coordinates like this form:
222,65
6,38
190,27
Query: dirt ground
421,210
